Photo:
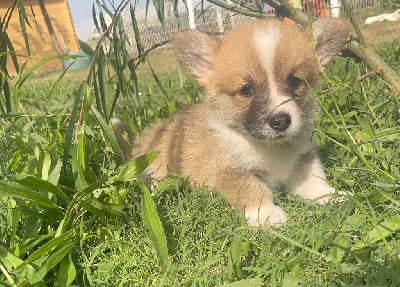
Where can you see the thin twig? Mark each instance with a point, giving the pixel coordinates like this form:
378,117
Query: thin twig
258,14
357,29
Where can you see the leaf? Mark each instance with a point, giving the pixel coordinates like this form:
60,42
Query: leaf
54,176
135,27
9,260
108,133
135,168
78,198
20,191
71,124
292,278
381,231
158,82
153,223
32,242
50,262
253,282
85,47
235,257
48,246
67,272
25,75
22,20
42,185
159,5
101,69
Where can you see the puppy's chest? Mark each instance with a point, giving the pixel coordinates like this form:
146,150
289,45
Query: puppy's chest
269,163
272,165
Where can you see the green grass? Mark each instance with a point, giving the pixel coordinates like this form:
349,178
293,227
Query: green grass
76,218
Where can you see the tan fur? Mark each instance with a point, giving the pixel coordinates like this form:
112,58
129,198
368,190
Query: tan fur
227,141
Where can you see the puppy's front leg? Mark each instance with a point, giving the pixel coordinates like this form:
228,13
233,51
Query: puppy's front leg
309,179
247,192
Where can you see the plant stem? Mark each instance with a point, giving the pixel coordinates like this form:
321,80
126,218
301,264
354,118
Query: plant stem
257,14
357,29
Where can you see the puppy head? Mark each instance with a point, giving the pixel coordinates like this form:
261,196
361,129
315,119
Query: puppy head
259,76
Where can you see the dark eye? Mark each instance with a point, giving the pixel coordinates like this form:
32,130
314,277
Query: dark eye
294,82
246,90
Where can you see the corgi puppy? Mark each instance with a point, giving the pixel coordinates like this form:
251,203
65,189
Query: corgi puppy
252,134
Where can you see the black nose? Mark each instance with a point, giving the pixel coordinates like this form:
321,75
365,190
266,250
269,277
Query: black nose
280,121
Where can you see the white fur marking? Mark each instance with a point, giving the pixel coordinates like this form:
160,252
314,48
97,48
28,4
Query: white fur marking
266,42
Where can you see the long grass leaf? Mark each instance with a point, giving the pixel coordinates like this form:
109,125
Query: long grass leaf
54,175
380,232
8,259
20,191
85,47
158,82
71,124
108,133
235,256
25,75
253,282
12,53
23,19
47,247
67,272
159,5
153,223
42,185
136,167
135,27
102,82
28,245
51,261
77,199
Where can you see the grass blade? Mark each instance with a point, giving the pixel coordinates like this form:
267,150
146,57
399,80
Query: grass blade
9,260
51,261
383,230
135,27
253,282
20,191
45,248
234,257
71,125
159,5
85,47
135,168
153,223
40,184
108,132
67,272
25,75
22,20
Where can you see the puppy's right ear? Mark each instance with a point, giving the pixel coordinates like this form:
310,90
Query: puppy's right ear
195,51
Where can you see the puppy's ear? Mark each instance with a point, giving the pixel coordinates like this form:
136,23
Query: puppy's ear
195,51
330,36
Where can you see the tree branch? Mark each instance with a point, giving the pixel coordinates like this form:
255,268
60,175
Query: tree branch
245,12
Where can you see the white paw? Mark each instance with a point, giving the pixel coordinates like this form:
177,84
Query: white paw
324,194
270,215
315,189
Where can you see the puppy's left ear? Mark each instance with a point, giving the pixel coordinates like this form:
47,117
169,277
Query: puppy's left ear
330,36
195,51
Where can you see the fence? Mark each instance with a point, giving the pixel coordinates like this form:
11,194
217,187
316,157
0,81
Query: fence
214,19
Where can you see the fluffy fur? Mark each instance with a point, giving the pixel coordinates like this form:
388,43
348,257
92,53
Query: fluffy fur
252,134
